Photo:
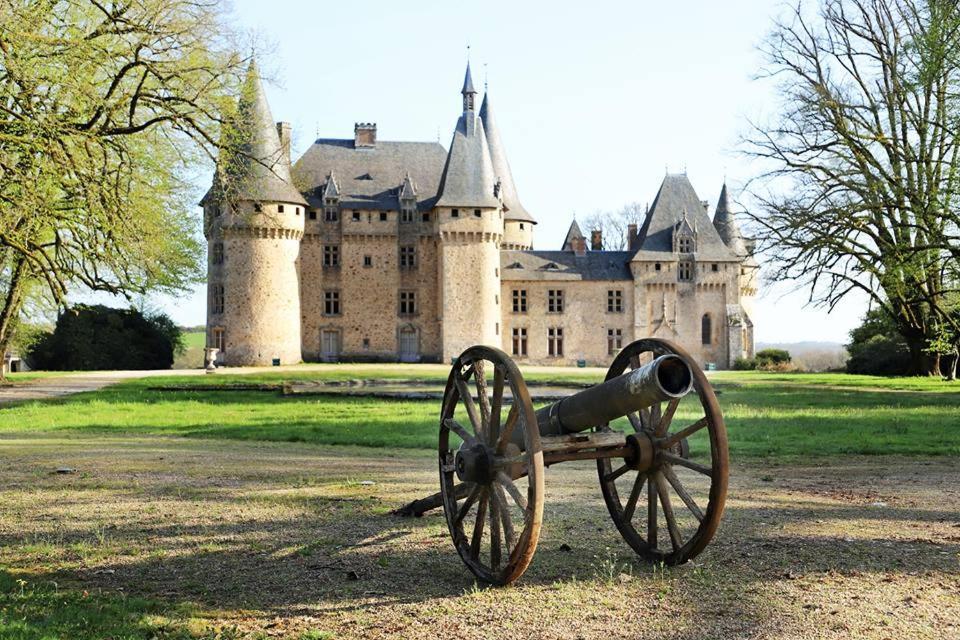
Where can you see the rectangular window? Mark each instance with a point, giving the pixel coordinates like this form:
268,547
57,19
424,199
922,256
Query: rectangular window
426,217
685,271
408,303
356,216
406,215
519,300
555,341
476,212
615,301
383,216
656,267
408,257
312,214
555,301
331,303
714,267
685,244
257,207
279,208
217,299
217,253
368,261
455,213
614,341
219,339
331,215
519,341
331,255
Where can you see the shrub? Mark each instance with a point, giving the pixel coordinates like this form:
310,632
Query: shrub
744,364
771,357
877,348
97,338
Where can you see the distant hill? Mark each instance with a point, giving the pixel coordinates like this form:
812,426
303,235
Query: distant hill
812,355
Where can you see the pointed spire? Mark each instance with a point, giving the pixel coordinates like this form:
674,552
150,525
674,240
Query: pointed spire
408,190
513,210
330,188
726,224
574,237
255,166
468,92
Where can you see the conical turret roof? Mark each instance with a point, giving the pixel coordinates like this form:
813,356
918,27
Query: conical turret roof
256,166
501,167
408,190
726,225
468,82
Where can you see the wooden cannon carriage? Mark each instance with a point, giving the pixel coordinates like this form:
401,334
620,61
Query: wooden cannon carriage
492,467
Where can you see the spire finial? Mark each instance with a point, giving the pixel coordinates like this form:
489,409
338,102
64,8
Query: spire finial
485,78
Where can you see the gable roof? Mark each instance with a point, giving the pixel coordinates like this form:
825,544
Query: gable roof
593,265
501,167
676,197
371,177
261,170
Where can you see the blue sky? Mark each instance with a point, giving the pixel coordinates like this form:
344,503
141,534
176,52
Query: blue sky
595,100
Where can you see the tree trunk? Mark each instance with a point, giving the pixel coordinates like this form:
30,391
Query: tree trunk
922,362
12,303
950,368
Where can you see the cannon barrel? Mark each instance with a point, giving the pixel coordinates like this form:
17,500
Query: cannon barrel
665,378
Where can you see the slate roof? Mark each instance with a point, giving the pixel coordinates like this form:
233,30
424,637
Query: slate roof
371,177
676,196
262,169
726,225
468,82
468,178
501,167
565,265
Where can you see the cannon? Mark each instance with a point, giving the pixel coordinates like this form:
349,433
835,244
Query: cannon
493,448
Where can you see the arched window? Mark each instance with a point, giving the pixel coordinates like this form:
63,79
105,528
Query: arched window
706,329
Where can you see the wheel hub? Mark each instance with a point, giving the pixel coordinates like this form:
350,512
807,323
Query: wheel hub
475,464
644,453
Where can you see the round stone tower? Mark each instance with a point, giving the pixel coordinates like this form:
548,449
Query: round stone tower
254,225
471,230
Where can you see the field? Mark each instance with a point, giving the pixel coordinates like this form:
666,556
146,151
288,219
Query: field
246,514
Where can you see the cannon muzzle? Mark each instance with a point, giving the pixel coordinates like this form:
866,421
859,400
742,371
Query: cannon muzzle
666,378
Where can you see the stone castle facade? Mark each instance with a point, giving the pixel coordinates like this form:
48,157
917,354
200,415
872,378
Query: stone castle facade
385,251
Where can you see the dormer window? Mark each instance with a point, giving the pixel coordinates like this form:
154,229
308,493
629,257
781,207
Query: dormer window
515,265
551,266
685,244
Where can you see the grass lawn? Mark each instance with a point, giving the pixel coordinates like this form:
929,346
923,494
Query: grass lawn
767,415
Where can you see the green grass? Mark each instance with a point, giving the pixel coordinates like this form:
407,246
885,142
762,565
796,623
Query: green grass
779,415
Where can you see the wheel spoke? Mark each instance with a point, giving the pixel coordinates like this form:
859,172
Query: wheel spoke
496,405
635,422
651,514
654,417
494,532
689,464
470,405
634,496
480,377
667,417
635,361
478,527
505,518
688,500
664,494
507,432
465,507
645,424
686,432
458,429
511,488
613,475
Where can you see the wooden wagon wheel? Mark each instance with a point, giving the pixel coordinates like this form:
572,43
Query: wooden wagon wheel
697,478
500,496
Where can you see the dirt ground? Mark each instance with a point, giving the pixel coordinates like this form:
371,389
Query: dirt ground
283,539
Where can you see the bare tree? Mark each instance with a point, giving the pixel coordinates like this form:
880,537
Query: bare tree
863,160
614,224
104,108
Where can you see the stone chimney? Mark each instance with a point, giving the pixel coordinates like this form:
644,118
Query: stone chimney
365,134
579,246
632,237
283,130
596,240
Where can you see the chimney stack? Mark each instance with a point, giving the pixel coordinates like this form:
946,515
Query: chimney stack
632,237
283,130
596,240
579,246
365,134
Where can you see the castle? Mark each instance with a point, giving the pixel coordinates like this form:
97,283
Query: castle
403,251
